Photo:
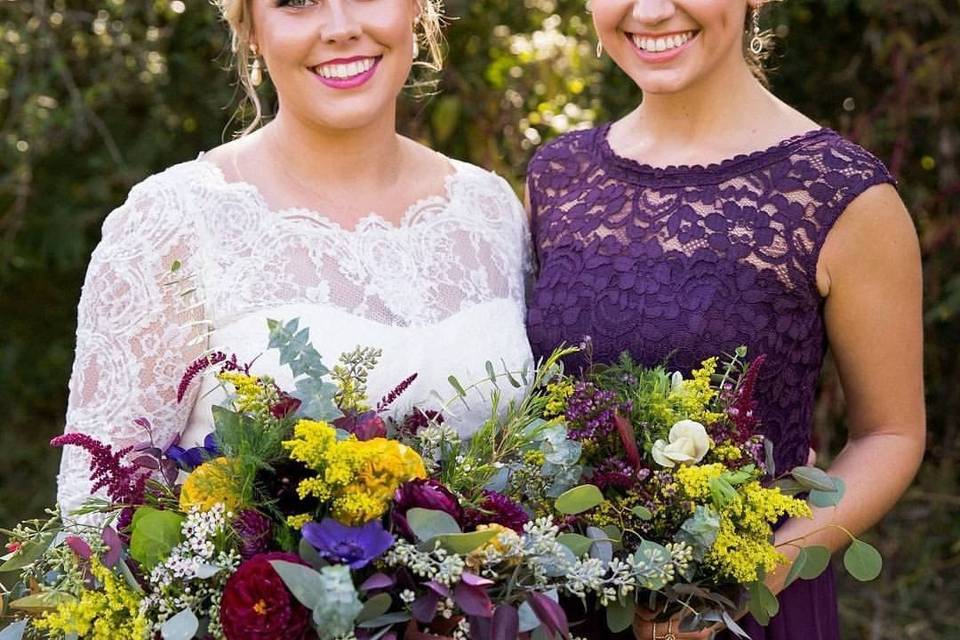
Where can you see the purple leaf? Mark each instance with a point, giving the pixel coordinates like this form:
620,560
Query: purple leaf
79,546
474,580
506,623
438,588
473,601
549,613
170,470
481,628
147,462
378,581
424,608
111,538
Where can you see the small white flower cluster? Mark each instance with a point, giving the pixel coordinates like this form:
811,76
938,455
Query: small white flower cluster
462,632
439,564
682,555
432,441
194,573
542,551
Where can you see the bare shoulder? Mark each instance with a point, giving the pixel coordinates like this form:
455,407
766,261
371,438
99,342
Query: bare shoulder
873,238
228,156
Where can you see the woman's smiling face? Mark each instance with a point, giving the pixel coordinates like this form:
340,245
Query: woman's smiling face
338,64
666,46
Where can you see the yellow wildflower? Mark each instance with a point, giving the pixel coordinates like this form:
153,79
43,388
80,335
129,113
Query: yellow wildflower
113,611
357,477
252,395
695,479
691,399
297,521
743,545
557,395
213,482
727,452
501,544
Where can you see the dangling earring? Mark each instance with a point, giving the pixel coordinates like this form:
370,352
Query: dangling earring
599,49
256,69
416,46
756,43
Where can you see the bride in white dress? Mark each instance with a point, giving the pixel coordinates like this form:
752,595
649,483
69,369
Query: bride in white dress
325,214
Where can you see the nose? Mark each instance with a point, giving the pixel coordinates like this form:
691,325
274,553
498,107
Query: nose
341,24
653,11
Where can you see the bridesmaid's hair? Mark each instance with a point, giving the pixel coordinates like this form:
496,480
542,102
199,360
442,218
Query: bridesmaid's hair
757,62
239,17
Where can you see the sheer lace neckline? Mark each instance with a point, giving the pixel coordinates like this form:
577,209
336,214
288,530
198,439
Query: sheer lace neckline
414,213
703,173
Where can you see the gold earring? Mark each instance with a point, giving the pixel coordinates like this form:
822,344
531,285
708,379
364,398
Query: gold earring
599,49
416,47
256,69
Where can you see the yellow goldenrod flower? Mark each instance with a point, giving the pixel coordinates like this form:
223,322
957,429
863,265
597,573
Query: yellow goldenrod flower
112,611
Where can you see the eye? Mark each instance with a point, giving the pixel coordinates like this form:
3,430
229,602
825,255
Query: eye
296,4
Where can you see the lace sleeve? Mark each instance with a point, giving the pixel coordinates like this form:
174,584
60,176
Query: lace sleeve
138,328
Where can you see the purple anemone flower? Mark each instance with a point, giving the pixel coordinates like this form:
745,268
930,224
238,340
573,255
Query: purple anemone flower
190,459
355,547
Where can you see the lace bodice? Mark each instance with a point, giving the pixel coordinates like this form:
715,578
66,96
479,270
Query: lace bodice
191,263
682,263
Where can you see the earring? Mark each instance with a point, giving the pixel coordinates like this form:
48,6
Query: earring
416,47
756,43
256,69
599,49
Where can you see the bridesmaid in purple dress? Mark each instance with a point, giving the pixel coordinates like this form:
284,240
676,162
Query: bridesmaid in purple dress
713,216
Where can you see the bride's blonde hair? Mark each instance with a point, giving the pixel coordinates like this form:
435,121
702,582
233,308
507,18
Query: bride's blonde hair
239,17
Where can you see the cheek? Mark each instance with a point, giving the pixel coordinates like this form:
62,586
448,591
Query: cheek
608,15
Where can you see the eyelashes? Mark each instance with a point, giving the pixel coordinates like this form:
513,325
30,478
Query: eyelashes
296,4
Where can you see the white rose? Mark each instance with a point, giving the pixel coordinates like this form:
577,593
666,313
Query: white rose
688,443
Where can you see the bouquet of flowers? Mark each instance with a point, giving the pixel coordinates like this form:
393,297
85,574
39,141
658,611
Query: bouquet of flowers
307,513
681,499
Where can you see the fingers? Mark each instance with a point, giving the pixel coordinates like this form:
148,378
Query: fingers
812,458
647,630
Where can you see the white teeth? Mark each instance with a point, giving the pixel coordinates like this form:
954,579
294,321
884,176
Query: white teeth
664,43
344,71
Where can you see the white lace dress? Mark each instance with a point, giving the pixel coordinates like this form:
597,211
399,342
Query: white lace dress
440,293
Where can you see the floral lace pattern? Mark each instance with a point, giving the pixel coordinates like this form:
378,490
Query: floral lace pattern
189,253
680,263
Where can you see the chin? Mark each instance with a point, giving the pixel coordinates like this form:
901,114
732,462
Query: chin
662,82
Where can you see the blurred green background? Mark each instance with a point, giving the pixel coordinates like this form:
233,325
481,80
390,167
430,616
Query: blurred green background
94,96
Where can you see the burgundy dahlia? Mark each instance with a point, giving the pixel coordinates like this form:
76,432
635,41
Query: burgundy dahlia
425,494
257,605
496,508
255,531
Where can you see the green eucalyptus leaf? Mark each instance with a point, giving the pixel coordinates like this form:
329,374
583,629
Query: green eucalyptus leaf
15,631
863,561
306,584
620,615
817,560
642,512
375,607
182,626
580,545
813,478
464,543
823,499
427,524
579,499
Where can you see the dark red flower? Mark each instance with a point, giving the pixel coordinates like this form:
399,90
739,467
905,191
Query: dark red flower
496,508
255,531
258,606
425,494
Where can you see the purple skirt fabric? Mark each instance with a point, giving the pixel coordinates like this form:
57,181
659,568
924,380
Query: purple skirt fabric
679,264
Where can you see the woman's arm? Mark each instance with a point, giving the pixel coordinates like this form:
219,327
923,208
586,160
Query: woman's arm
138,328
869,270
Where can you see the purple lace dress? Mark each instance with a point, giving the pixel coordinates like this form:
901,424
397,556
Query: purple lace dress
683,263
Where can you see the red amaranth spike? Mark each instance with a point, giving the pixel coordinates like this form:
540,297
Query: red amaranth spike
197,367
